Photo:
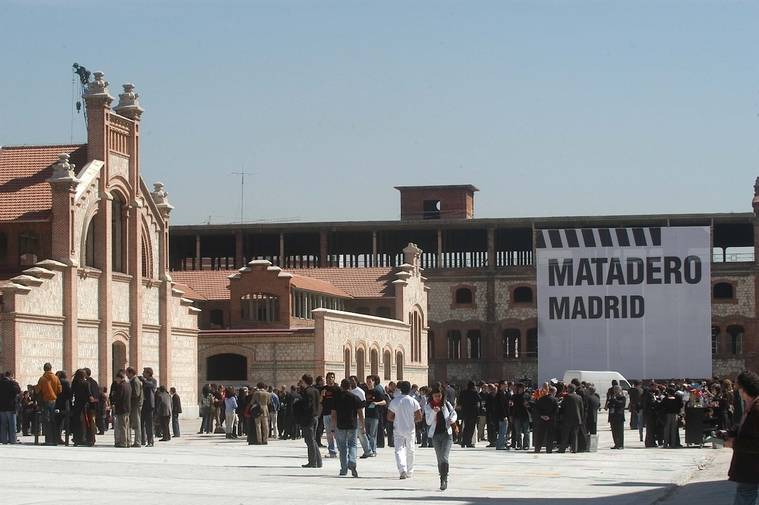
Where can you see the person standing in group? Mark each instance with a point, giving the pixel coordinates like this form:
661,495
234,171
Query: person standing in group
48,388
670,407
591,402
80,391
328,392
469,402
204,409
616,406
121,398
149,387
135,408
263,398
63,408
520,434
501,415
176,409
361,431
93,407
546,408
375,398
163,412
9,394
230,413
744,440
404,412
346,416
571,415
307,411
440,415
274,407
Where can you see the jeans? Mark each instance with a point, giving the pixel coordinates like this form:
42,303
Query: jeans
371,433
405,451
521,435
48,422
442,443
361,435
229,421
346,446
503,429
309,437
327,420
175,424
8,427
745,493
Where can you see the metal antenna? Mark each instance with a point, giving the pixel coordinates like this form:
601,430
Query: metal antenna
242,192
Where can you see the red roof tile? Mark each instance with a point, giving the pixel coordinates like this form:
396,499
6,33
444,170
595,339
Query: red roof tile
189,293
317,285
357,282
24,193
210,284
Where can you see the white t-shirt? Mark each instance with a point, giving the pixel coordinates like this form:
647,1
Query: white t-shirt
359,393
404,407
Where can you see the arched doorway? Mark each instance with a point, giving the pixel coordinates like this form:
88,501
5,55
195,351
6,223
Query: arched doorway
118,356
360,362
373,363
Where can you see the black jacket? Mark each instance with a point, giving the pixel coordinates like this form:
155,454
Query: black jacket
501,405
572,410
9,392
616,405
546,406
469,402
176,404
149,387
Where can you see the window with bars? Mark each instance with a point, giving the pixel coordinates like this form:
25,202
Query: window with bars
260,307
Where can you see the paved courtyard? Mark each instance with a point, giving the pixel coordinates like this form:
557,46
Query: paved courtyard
203,469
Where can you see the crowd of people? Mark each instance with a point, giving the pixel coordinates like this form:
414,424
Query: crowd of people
341,416
137,409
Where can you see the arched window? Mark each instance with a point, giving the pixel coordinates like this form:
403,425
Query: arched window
28,248
454,344
399,365
118,356
228,366
430,345
715,340
89,244
387,365
118,233
415,321
260,307
464,296
523,294
347,361
360,363
147,256
510,342
383,312
532,343
216,318
723,291
373,363
3,247
473,344
735,333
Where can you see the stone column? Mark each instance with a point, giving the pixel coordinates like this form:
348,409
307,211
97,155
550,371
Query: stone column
129,108
281,250
166,299
375,257
491,249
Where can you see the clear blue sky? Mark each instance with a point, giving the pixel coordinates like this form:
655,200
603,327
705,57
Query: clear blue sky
550,108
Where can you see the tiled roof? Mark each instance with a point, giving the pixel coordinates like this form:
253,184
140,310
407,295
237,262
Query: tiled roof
353,282
189,293
24,193
357,282
210,284
317,285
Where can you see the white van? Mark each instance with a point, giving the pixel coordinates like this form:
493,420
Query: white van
600,379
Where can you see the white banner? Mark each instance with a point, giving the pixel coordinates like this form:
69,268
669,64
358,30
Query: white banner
632,300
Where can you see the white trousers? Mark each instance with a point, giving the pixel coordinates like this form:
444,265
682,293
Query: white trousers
405,450
230,421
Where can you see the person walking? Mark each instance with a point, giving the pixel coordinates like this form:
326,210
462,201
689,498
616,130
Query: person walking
48,388
375,399
440,415
121,398
149,387
307,410
135,408
163,412
744,440
176,409
9,395
404,412
616,406
346,416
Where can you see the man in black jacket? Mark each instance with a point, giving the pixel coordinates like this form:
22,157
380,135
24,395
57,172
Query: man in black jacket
469,401
9,393
121,397
501,414
520,432
176,409
616,405
492,421
546,408
149,387
309,419
571,418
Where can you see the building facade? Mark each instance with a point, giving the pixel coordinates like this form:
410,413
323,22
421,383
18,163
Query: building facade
263,323
482,314
84,257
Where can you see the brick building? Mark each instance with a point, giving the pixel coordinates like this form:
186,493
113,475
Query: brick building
263,323
481,305
84,257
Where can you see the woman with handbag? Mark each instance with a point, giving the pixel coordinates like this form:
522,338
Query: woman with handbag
440,416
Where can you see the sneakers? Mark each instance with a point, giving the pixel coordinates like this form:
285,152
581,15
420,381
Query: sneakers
365,455
353,470
404,476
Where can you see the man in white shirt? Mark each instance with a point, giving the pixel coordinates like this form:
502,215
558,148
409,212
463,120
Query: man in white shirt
404,412
361,434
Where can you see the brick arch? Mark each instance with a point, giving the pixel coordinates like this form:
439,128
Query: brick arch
89,215
207,352
512,290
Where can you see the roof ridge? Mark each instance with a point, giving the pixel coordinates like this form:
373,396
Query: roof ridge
27,146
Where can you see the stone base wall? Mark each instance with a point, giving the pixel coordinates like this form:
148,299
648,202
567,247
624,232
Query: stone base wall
727,367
